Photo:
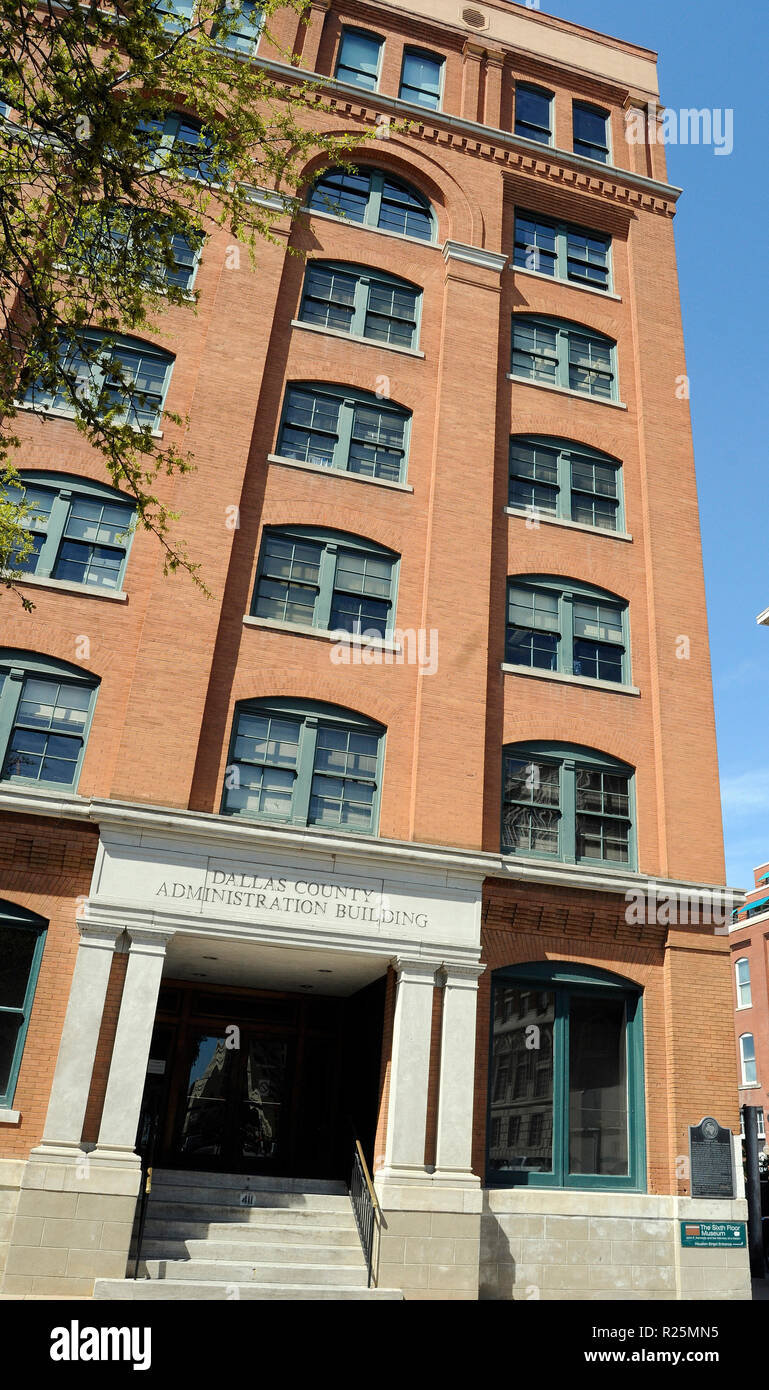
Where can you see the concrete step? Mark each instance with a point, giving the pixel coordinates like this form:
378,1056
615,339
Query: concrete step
340,1217
227,1251
181,1177
230,1198
257,1232
146,1290
244,1272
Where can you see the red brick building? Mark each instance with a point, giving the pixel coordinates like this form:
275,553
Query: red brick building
401,866
748,936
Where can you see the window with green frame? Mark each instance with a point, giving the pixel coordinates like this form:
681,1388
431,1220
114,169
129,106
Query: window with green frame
374,198
326,579
566,1079
566,480
80,531
124,374
534,113
591,131
359,59
45,714
179,143
111,235
558,353
562,250
556,624
364,303
346,430
22,938
566,802
303,763
240,26
421,78
175,15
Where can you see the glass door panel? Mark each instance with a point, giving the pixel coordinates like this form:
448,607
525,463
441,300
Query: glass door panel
521,1138
598,1118
203,1132
262,1099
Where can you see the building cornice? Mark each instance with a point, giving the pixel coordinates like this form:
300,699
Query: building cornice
140,818
562,166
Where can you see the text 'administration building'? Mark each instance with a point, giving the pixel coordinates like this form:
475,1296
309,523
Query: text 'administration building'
391,873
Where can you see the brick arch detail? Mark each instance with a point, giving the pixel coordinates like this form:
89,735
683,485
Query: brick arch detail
328,690
561,729
367,525
602,574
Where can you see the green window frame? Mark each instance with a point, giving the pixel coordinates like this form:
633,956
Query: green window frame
534,113
568,803
374,198
566,480
568,355
325,579
562,250
169,259
81,531
422,78
22,941
362,302
566,1086
175,15
46,707
179,143
126,374
240,27
591,127
302,763
558,624
344,430
359,59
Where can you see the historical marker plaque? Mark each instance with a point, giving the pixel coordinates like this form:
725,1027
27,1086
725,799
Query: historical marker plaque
711,1160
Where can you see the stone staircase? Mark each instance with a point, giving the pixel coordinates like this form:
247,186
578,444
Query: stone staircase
226,1236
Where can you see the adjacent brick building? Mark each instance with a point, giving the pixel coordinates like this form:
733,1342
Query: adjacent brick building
457,429
748,937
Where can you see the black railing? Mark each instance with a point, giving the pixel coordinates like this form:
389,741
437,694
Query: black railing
365,1205
148,1138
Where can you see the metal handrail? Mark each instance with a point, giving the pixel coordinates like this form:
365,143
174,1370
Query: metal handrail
365,1204
147,1156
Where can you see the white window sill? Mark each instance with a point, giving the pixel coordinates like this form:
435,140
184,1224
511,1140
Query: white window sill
379,231
740,1008
338,473
355,338
68,415
532,515
568,679
570,284
564,391
66,586
749,1086
10,1117
354,639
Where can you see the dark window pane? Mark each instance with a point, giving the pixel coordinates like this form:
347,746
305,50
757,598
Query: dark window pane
598,1117
10,1025
17,948
521,1132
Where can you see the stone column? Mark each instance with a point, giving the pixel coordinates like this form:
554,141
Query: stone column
453,1160
409,1073
77,1049
313,32
128,1067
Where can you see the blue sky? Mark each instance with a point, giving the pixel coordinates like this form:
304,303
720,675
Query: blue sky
713,55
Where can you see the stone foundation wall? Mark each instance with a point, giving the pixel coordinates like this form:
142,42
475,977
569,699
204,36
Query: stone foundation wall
429,1242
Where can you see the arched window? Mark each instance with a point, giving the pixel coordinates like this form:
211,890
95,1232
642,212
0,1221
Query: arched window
127,375
533,113
742,979
22,938
45,714
359,59
347,430
554,352
80,531
302,763
566,1088
374,198
561,478
561,625
567,802
328,580
749,1076
364,303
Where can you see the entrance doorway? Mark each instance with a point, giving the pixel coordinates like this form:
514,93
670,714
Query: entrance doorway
261,1082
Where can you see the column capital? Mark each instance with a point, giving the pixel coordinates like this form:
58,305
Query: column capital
473,50
99,934
416,971
459,976
495,56
474,255
150,940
